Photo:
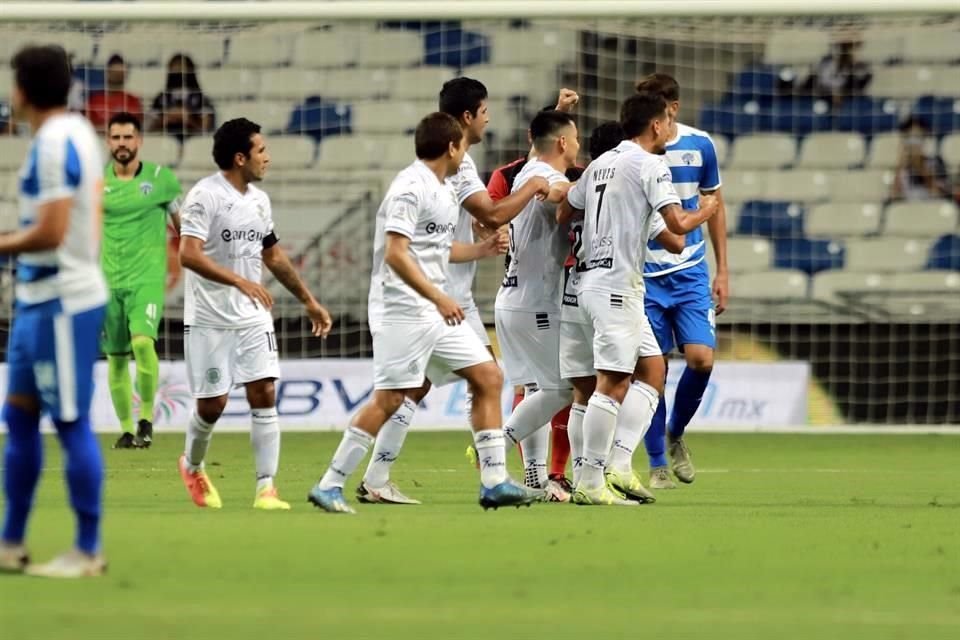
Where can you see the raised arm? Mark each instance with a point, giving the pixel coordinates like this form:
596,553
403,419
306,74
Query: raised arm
683,222
496,214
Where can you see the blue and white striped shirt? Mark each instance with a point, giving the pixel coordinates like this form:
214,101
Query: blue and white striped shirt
692,159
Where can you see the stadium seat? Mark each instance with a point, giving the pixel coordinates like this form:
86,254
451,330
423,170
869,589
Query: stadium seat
770,219
950,150
946,282
744,255
927,218
932,45
397,152
206,48
799,185
455,47
884,151
291,84
881,45
809,256
796,46
829,285
755,83
881,255
835,219
221,84
389,48
161,149
763,151
197,155
945,253
867,185
319,118
349,152
6,83
797,116
354,84
385,116
540,47
867,115
272,115
742,186
317,49
421,83
943,114
514,82
13,149
721,144
776,284
137,47
259,48
147,82
909,81
291,152
832,151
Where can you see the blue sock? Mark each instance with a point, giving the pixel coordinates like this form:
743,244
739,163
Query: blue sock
690,390
84,479
655,439
23,459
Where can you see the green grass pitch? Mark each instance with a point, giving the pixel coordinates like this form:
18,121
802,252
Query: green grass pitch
781,537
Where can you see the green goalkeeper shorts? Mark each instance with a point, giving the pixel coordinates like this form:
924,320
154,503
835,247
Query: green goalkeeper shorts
132,312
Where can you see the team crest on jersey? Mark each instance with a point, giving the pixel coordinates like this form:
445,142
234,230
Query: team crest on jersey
146,188
688,158
213,375
413,368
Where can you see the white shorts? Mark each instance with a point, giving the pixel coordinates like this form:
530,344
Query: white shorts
576,344
219,359
405,353
530,347
621,332
473,320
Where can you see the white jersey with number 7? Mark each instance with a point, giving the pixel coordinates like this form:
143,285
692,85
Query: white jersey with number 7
619,192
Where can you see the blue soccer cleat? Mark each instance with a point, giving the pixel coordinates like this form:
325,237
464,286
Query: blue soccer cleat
330,500
509,494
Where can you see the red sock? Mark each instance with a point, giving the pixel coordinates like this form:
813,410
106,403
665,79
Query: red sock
559,443
517,399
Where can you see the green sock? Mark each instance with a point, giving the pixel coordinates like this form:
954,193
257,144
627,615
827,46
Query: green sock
121,390
148,373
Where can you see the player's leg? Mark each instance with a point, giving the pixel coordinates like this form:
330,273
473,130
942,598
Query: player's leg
64,375
400,356
560,448
576,365
696,334
660,314
144,313
23,450
583,388
376,486
208,354
116,345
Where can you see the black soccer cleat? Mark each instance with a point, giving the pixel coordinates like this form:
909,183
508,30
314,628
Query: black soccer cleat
126,441
144,434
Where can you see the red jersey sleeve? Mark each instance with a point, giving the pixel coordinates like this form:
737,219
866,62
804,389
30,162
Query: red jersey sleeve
497,187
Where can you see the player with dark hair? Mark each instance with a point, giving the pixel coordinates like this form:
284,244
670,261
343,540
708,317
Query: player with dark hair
60,295
138,199
679,299
418,328
227,237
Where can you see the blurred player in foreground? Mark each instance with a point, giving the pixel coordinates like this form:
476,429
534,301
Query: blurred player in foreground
418,329
139,197
226,238
60,297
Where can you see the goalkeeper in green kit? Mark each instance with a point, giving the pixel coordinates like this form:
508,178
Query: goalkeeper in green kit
138,198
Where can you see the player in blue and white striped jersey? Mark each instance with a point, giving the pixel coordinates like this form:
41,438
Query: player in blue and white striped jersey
680,301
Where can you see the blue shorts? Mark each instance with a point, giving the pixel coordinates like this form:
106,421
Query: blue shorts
680,309
51,356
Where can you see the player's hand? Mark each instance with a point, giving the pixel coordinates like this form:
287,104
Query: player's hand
450,310
721,291
497,243
709,205
567,100
256,292
541,186
320,319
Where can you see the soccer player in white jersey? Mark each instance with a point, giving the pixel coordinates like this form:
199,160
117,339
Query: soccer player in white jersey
226,238
528,302
59,308
421,331
619,193
678,301
466,100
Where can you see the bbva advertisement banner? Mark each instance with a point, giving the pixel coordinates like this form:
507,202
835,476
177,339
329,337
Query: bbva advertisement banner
322,394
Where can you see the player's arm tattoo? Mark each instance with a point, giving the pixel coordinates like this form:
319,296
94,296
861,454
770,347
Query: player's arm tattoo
278,262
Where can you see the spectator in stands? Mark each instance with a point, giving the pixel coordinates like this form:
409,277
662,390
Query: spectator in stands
102,105
921,173
181,108
839,74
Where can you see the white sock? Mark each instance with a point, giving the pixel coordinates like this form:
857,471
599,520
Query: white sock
347,457
536,448
199,433
265,439
534,411
599,424
388,444
492,455
575,433
636,412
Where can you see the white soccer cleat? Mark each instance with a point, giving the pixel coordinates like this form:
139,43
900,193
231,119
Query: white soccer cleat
387,494
72,564
680,461
14,558
660,479
553,491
